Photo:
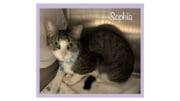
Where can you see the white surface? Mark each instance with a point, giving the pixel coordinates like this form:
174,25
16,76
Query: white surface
100,86
18,50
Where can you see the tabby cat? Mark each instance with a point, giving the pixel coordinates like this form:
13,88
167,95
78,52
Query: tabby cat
84,50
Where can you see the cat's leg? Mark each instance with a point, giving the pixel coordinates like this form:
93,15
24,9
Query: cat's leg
97,75
77,77
103,77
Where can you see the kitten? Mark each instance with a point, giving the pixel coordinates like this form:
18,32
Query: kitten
80,50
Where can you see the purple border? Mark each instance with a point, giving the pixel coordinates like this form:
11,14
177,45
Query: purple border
142,51
37,50
91,5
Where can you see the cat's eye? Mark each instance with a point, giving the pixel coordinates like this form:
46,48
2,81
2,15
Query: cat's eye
69,45
57,45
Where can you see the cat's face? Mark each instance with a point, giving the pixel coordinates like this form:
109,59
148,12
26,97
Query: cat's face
64,44
65,47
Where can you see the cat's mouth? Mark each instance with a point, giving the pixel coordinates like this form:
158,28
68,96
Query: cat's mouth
67,58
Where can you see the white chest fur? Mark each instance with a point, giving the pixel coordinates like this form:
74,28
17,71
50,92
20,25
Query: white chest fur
67,65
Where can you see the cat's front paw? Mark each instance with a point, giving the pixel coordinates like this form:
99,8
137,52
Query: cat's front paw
73,80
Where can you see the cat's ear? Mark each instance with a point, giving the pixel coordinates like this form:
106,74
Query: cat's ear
76,31
50,28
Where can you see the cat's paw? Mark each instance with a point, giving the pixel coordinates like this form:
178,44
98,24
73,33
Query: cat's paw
73,80
68,76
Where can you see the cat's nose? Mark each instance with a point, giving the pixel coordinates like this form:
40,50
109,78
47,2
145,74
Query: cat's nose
63,54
